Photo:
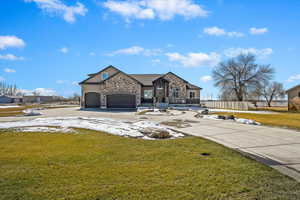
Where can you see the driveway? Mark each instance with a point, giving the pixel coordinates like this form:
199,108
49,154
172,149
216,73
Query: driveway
276,147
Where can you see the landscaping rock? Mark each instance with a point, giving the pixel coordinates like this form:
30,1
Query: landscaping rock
205,112
229,117
221,117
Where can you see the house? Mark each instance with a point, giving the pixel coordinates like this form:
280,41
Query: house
40,99
294,97
10,99
112,88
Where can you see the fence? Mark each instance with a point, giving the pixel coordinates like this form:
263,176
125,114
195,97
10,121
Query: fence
237,105
240,105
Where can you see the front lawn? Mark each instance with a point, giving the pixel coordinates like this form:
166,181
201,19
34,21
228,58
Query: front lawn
282,119
90,165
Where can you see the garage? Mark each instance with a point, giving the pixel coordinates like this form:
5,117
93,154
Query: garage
121,101
92,100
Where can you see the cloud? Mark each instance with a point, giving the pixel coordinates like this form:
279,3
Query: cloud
206,78
195,59
7,41
61,81
2,78
92,53
258,31
39,91
261,53
216,31
151,9
10,57
135,50
75,83
58,8
8,70
155,61
294,78
64,50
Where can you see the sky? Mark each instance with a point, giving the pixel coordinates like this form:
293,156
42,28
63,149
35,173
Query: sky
50,45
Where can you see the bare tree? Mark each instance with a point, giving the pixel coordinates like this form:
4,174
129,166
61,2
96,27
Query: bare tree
241,75
8,89
270,91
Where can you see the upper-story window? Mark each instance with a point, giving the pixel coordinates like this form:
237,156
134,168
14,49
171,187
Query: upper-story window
105,76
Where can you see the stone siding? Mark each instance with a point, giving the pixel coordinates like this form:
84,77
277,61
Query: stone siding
97,78
293,94
120,84
175,82
197,93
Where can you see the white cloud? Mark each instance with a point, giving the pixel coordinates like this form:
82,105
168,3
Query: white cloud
75,83
216,31
258,31
2,78
155,61
39,91
294,78
7,41
61,81
206,78
8,70
135,50
261,53
10,57
92,53
150,9
195,59
59,8
64,50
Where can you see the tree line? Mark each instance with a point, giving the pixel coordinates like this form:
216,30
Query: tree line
9,89
241,79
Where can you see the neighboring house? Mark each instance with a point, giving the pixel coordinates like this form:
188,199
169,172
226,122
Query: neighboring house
11,99
293,96
40,99
112,88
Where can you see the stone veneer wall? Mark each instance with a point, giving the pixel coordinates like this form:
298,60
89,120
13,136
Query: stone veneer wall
294,93
120,84
175,82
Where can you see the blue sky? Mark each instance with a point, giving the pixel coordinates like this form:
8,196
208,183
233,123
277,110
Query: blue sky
52,44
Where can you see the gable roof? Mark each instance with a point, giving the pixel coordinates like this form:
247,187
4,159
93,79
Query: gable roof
174,75
146,79
293,88
191,86
92,75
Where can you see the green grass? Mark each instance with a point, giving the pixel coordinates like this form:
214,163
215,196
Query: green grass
282,119
92,165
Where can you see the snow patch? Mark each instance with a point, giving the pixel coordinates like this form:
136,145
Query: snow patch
238,120
31,112
9,107
115,127
45,129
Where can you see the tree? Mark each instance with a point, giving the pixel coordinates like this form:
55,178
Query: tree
241,75
270,91
8,89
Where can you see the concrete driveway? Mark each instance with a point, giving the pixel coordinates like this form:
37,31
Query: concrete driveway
276,147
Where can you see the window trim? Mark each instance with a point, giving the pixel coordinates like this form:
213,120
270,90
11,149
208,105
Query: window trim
151,94
175,92
192,96
104,75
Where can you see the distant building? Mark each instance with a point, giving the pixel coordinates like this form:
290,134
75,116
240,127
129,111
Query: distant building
41,99
11,99
293,97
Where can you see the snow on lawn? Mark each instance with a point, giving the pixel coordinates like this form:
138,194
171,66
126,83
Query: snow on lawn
239,120
115,127
9,107
45,129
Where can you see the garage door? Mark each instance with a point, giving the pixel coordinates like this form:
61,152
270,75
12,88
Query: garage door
92,100
121,101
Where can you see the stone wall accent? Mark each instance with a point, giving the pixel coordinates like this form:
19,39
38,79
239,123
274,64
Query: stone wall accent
292,95
197,93
97,78
176,82
120,84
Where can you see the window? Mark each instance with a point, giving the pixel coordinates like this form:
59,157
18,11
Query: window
192,95
175,92
104,76
148,94
299,94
